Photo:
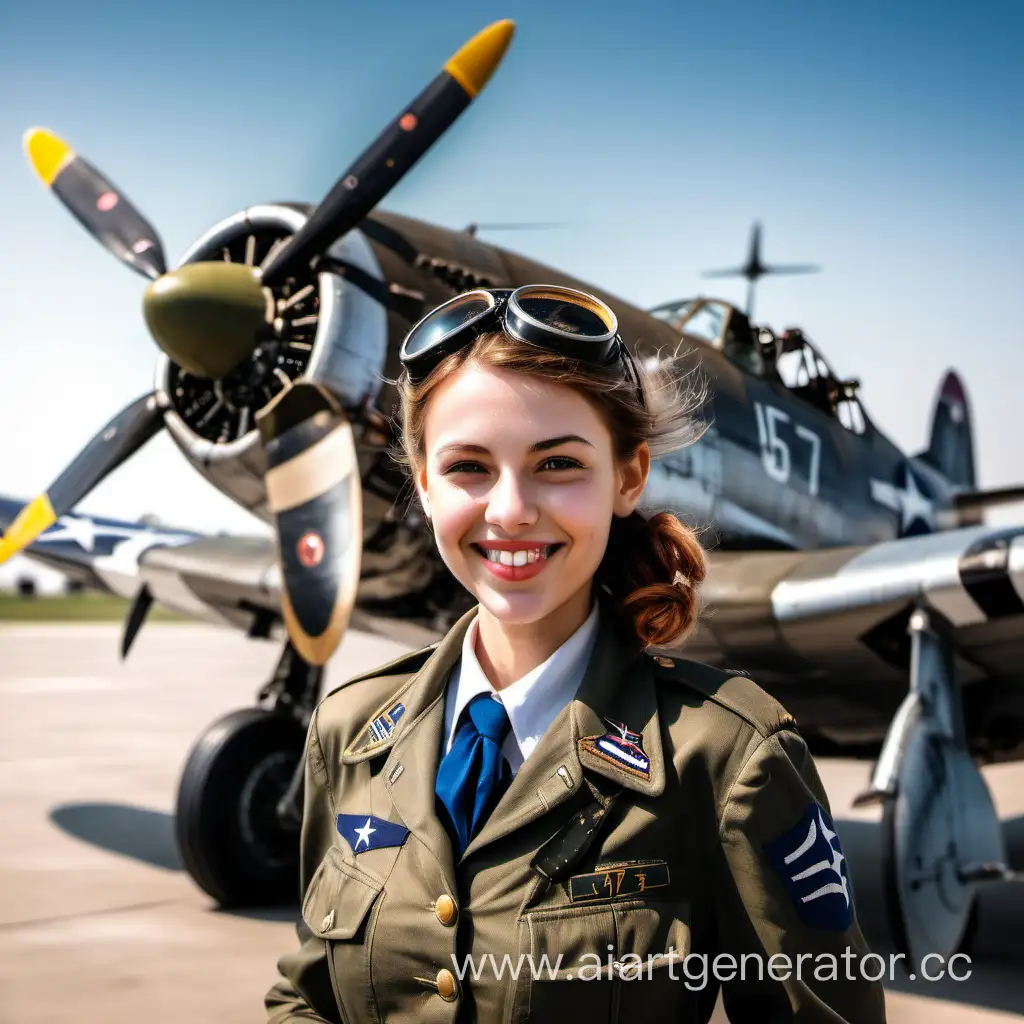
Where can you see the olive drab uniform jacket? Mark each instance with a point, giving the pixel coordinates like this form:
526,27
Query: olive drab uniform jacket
670,810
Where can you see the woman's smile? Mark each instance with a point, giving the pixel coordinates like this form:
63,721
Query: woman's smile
516,560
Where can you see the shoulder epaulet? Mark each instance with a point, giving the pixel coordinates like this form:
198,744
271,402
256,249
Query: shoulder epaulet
405,664
732,689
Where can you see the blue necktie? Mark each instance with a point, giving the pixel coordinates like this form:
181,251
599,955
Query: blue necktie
473,774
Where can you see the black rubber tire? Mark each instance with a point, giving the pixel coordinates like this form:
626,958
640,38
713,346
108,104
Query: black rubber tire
230,839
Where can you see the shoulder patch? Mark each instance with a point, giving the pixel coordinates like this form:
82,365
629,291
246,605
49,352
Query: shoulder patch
812,867
730,688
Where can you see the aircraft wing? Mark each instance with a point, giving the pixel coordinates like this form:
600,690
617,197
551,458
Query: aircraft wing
843,612
100,552
233,581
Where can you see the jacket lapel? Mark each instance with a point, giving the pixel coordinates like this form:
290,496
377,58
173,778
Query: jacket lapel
617,687
410,770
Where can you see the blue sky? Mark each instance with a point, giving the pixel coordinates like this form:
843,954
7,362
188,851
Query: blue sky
884,141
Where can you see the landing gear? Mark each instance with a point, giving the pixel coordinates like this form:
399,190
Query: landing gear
239,799
942,837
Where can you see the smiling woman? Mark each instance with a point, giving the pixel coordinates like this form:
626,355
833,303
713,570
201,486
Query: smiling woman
530,464
537,785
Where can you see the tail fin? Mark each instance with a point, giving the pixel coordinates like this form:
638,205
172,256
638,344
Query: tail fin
951,449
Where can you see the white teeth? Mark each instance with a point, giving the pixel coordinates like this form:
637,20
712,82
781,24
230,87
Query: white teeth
518,558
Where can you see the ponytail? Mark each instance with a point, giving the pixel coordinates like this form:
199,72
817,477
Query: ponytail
652,568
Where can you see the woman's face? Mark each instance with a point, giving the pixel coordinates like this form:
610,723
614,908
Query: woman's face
521,469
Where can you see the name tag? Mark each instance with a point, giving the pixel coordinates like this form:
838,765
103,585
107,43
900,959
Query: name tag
618,882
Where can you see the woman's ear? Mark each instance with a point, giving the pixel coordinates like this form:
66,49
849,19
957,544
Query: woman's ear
633,473
420,481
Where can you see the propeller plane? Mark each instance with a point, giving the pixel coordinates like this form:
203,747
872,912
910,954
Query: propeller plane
856,582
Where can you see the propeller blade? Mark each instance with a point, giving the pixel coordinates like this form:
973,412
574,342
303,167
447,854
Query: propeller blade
791,268
315,496
474,229
121,438
733,272
394,151
136,617
103,210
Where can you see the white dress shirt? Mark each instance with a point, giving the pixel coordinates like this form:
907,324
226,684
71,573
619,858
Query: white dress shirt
532,702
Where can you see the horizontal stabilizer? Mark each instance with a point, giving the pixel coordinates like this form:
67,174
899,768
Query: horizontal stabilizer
976,501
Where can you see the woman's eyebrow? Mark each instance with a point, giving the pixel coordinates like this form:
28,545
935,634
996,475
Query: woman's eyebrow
539,446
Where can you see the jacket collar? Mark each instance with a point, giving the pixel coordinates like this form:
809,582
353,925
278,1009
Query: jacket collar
596,732
617,687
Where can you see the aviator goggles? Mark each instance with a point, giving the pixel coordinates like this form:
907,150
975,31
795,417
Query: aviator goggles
563,320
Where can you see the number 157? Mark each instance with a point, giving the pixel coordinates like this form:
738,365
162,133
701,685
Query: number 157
775,451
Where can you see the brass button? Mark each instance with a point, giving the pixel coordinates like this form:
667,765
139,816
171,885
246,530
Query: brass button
446,987
445,908
664,662
327,923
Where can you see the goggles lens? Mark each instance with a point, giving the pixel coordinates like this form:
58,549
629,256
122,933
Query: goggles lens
567,317
446,320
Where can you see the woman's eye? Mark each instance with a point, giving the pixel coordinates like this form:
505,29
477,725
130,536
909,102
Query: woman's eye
464,467
561,462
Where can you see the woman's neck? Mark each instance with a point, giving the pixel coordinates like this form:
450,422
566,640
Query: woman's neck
507,652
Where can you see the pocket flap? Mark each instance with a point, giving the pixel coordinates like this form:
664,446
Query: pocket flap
338,898
610,940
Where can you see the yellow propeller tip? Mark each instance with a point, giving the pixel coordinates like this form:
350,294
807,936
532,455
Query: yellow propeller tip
31,521
474,64
46,153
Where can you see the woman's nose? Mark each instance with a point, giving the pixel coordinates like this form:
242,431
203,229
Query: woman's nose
511,503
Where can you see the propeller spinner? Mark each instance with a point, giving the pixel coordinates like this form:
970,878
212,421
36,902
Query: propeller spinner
209,316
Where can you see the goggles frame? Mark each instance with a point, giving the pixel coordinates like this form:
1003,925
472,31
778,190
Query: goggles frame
504,309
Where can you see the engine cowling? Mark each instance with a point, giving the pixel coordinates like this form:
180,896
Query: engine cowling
325,329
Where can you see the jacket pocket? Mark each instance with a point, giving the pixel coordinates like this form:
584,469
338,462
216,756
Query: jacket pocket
603,962
337,908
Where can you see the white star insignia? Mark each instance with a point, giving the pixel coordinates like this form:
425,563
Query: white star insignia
364,834
908,501
82,532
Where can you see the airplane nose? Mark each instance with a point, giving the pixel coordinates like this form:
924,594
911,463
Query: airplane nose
208,317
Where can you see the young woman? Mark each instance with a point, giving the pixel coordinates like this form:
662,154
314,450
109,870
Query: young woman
537,816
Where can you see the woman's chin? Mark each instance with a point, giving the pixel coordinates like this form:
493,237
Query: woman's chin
514,608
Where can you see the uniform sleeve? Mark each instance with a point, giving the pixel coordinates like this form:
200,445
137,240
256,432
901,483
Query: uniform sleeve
304,991
786,895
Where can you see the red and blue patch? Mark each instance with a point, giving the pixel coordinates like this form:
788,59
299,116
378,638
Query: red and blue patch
622,747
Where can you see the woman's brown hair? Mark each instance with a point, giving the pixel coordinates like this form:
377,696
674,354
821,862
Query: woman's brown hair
653,566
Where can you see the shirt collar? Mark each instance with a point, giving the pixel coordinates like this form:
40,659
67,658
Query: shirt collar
533,701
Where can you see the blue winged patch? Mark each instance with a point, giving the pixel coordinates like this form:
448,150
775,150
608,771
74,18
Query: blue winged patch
384,725
365,832
813,868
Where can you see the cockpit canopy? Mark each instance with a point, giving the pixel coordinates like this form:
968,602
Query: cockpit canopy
789,358
718,324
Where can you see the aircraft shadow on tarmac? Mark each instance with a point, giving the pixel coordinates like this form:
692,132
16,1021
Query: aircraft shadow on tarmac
143,835
148,836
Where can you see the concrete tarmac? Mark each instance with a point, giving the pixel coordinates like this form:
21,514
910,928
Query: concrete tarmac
98,922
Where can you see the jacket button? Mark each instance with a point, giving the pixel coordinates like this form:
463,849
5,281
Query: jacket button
327,923
446,986
664,662
444,908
